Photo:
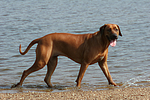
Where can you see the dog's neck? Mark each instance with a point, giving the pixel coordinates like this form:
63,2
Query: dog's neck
102,40
97,41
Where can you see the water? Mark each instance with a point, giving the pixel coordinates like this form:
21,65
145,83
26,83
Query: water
21,21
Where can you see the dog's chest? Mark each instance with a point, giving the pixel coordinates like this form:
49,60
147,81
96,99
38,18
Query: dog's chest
101,57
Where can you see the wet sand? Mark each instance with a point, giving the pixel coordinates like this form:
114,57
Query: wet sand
113,94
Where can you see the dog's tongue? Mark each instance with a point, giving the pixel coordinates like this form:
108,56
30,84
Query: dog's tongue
113,43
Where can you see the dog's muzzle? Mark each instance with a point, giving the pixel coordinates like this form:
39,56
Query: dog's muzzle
112,39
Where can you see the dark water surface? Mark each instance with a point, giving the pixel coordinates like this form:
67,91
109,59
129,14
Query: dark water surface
21,21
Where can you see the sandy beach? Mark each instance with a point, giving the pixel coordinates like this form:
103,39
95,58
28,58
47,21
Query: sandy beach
113,94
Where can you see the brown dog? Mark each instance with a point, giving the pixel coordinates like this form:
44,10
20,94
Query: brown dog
84,49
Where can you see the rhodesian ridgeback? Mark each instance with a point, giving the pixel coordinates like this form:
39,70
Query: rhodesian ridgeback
85,49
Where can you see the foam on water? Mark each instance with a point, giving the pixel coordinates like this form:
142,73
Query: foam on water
141,81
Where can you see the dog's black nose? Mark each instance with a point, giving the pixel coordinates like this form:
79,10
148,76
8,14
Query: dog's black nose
114,36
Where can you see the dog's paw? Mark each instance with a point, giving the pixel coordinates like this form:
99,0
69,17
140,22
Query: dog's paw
113,83
15,85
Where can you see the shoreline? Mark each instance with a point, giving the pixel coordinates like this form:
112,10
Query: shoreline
117,94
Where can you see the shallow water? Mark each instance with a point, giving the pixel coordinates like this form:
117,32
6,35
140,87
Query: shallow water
21,21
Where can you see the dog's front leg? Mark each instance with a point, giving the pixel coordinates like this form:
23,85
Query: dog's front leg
104,67
81,73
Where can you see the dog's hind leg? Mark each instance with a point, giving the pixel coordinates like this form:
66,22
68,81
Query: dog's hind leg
42,58
50,69
35,67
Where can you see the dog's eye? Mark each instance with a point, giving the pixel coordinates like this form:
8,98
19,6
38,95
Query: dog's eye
116,29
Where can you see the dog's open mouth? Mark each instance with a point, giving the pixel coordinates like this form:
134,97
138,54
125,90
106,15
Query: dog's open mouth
113,42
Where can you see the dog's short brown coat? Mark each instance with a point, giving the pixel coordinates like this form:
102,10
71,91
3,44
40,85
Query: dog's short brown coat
84,49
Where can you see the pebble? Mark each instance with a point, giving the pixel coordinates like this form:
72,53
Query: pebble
115,94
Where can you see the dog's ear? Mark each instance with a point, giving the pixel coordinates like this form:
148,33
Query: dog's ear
119,31
102,29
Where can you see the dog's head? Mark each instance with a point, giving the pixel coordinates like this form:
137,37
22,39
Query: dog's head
111,32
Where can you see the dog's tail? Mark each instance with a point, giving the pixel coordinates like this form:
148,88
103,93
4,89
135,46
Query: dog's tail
29,46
